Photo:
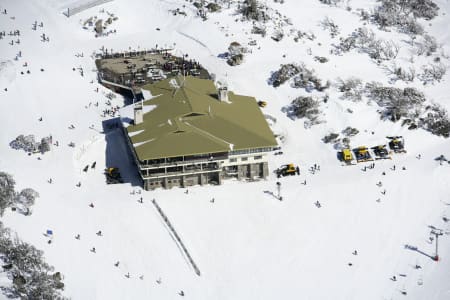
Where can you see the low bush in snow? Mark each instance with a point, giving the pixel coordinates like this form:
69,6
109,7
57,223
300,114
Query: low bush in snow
321,59
351,88
298,34
365,41
259,29
331,138
253,10
396,103
432,72
427,46
213,7
236,54
436,120
286,72
235,60
330,2
328,24
403,73
350,131
402,14
301,75
304,107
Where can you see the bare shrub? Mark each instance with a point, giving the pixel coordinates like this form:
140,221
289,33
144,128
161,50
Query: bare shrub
432,73
304,107
305,78
402,14
253,10
366,41
286,72
331,138
428,46
436,120
328,24
351,88
407,74
259,29
331,2
396,103
350,131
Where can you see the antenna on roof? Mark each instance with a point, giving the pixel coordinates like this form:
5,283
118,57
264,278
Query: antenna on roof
184,78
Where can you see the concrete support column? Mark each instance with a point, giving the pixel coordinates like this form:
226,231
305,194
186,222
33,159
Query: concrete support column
219,178
239,172
253,170
265,172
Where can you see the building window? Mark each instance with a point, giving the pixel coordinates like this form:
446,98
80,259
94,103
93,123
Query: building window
233,159
244,159
258,157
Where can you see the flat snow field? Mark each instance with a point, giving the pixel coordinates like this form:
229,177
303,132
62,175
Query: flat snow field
247,244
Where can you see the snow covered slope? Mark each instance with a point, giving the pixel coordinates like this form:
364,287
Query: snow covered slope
247,244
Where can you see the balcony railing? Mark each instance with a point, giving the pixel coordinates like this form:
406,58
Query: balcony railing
180,170
181,161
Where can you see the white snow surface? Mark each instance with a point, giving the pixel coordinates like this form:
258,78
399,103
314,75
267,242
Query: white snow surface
247,244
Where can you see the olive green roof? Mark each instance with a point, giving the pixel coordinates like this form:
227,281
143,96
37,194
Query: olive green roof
191,120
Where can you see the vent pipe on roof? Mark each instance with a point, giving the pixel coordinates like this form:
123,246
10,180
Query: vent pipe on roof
223,93
138,112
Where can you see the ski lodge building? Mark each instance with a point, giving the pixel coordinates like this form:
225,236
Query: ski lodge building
189,132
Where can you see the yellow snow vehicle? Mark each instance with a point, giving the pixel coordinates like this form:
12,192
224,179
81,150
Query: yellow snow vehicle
347,155
113,175
397,144
381,152
362,154
289,169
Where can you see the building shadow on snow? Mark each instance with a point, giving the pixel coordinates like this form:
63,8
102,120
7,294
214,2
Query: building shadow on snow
118,154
